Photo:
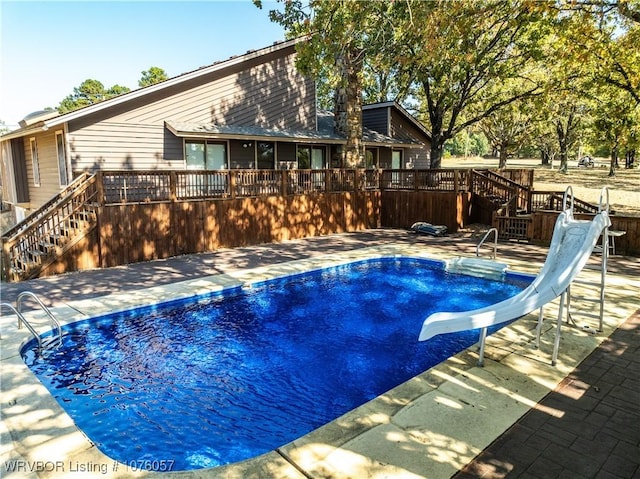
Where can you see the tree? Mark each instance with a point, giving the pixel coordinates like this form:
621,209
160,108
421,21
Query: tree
507,129
88,93
615,122
341,35
3,127
457,52
152,76
610,33
468,143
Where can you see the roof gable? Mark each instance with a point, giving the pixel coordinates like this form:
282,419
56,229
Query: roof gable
152,90
402,112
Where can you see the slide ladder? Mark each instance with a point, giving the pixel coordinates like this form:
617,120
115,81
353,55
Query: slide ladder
572,245
565,297
44,343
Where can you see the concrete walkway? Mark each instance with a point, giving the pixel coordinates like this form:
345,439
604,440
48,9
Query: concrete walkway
430,427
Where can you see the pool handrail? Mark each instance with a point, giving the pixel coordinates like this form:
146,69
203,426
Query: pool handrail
56,330
484,238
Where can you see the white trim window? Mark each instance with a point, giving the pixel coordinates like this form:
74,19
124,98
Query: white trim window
63,174
34,161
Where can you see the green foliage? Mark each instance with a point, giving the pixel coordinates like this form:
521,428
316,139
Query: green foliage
342,35
152,76
88,93
460,53
467,143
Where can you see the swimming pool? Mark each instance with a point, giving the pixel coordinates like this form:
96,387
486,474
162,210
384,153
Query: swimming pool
227,377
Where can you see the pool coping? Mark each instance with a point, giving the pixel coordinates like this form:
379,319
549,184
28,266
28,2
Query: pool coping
397,434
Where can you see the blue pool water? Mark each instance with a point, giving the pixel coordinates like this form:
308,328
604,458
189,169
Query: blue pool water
220,379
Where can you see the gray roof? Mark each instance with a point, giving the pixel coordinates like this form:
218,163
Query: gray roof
324,134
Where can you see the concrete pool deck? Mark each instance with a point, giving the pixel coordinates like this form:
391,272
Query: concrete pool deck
432,426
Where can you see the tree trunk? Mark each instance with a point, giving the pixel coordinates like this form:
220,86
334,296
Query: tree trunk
348,108
437,150
564,150
614,161
504,152
546,161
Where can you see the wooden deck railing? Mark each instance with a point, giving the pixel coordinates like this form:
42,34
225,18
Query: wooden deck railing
119,187
522,193
552,201
38,242
48,207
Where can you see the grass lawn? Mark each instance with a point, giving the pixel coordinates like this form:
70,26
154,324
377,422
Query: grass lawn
624,187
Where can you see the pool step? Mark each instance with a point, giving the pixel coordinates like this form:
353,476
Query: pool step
478,267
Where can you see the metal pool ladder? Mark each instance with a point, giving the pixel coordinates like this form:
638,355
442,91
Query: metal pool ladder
44,344
484,238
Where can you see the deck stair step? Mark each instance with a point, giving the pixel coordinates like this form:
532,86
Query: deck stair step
46,246
36,255
51,231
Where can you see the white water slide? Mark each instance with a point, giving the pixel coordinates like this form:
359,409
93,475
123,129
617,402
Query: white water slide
572,243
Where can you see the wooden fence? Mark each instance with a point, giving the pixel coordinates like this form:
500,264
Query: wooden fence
543,222
140,232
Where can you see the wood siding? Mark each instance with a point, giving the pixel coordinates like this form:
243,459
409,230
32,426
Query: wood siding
391,122
117,145
400,209
268,92
48,163
376,119
141,232
417,158
628,244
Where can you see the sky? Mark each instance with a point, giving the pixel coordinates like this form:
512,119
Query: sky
47,48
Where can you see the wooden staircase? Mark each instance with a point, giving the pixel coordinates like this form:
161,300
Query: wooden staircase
45,235
511,203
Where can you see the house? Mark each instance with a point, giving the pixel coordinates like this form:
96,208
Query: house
253,111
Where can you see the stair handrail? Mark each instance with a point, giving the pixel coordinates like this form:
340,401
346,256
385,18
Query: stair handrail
50,205
521,190
484,238
568,193
508,192
24,233
47,311
581,206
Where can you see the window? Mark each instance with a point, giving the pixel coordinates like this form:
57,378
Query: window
63,175
194,155
371,158
216,156
266,155
317,158
205,155
304,158
396,159
311,158
34,161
